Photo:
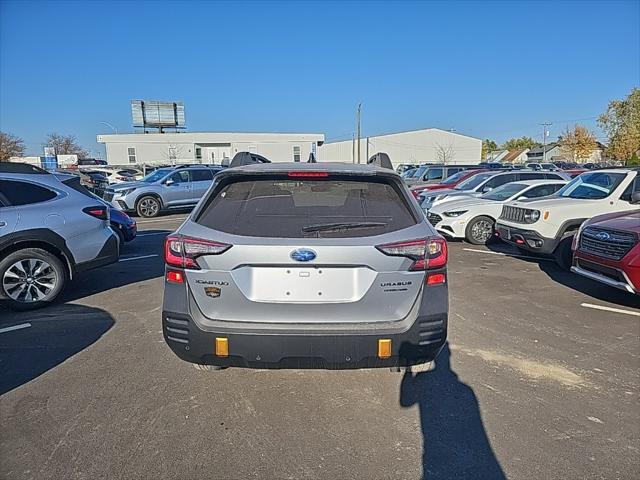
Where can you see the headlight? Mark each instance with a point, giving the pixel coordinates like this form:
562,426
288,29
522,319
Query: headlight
125,192
455,213
532,216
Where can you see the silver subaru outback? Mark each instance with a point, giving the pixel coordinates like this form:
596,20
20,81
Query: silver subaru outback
289,265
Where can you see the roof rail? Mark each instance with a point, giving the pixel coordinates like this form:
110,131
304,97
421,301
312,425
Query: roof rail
381,160
247,158
16,167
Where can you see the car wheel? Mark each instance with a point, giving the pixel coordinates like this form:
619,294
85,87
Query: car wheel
563,254
31,278
120,235
148,207
479,230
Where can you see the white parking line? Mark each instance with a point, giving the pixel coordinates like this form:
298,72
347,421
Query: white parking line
161,220
14,327
508,254
126,259
610,309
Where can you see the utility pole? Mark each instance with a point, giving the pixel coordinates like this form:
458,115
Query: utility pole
353,148
545,132
358,129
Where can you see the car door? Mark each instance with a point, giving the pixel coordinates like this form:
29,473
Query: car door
201,179
176,189
8,215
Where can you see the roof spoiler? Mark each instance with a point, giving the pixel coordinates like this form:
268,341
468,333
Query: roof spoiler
247,158
380,159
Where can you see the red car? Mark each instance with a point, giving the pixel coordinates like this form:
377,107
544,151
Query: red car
574,172
449,182
607,249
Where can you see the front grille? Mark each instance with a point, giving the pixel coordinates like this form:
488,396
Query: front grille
434,218
513,214
606,243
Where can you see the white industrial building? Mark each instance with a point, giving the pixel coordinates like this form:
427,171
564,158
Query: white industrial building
430,145
206,147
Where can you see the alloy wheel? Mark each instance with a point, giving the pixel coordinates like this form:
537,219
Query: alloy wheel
482,231
29,280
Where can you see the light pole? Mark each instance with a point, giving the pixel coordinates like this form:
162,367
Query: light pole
115,130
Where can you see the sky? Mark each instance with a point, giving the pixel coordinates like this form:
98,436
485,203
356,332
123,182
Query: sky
486,69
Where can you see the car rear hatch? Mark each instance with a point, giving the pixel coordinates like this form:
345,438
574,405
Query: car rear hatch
305,249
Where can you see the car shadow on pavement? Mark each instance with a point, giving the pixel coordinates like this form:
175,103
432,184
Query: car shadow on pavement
455,444
129,270
52,336
569,279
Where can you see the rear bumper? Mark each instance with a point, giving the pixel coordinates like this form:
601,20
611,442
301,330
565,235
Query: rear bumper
307,346
527,239
109,253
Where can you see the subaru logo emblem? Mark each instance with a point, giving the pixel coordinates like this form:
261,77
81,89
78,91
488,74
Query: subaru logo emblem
303,255
603,236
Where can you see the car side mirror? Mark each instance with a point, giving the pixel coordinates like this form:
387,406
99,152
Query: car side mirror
169,182
523,197
635,198
487,189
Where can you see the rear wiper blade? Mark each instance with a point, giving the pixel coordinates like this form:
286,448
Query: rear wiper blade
336,227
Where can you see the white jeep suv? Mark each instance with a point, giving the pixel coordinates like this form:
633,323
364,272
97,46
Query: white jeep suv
547,226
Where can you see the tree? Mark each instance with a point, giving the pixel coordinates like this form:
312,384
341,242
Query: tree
520,143
577,144
621,123
488,146
65,145
10,146
444,154
634,161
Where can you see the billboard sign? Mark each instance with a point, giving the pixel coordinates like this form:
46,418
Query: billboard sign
155,114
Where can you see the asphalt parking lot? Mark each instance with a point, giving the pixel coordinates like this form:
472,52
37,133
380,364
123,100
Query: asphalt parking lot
540,380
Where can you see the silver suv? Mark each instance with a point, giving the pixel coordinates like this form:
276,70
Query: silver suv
51,228
165,188
306,266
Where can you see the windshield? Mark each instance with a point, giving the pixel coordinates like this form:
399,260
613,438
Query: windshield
472,182
504,192
455,178
157,175
419,172
594,185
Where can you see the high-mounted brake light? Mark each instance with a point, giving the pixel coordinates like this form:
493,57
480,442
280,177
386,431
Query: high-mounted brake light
182,252
309,174
426,253
101,213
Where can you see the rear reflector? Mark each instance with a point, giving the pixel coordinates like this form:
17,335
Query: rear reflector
309,174
436,279
222,346
384,348
175,277
182,252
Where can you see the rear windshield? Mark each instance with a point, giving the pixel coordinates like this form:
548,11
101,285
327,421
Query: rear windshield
318,208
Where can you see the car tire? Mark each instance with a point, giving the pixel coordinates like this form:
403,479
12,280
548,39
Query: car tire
563,254
120,235
148,206
479,230
31,278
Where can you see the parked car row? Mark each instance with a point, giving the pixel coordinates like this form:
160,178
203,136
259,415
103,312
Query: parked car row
587,221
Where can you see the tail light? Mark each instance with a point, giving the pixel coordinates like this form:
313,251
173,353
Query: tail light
101,213
182,252
426,253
